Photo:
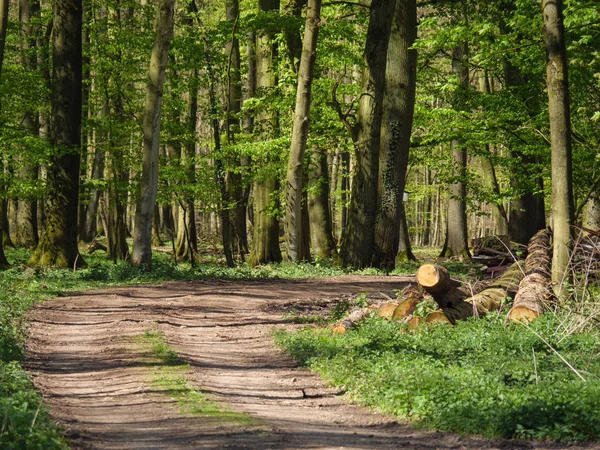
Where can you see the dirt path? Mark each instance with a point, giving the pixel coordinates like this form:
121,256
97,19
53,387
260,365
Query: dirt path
89,369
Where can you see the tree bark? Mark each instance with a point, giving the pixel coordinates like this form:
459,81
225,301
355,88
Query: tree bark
321,234
398,112
235,188
144,212
359,237
27,231
265,243
457,241
295,169
58,243
560,136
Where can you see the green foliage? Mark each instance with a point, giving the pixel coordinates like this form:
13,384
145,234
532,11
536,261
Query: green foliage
24,421
481,376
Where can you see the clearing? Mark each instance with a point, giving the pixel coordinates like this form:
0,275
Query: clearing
88,359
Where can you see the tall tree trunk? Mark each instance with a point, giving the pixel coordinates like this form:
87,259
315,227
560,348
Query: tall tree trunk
4,232
359,236
265,242
457,243
557,82
398,112
144,212
321,234
27,232
235,188
58,242
295,169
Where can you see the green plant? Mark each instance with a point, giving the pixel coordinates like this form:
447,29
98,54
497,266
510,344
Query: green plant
477,377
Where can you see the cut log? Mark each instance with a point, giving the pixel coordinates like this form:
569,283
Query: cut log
351,319
445,291
435,279
386,310
407,307
437,317
489,299
534,288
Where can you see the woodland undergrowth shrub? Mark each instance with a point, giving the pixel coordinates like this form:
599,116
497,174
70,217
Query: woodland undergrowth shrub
482,376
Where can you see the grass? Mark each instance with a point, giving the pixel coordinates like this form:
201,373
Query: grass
168,373
483,376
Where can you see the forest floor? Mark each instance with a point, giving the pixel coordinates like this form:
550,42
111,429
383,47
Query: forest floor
88,360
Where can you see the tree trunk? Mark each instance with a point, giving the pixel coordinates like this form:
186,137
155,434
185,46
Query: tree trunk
404,252
396,127
321,235
358,240
4,232
265,243
89,227
235,188
534,288
560,136
27,231
144,212
295,169
58,243
457,242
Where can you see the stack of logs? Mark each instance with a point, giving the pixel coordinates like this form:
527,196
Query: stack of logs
528,284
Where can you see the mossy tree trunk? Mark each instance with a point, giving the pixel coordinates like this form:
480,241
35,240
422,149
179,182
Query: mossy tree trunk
359,237
295,170
560,137
321,228
144,212
58,242
398,112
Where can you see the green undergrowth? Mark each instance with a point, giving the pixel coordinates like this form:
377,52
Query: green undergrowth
482,376
168,374
22,287
24,420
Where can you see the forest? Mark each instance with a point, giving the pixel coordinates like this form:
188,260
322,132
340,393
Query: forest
348,132
328,135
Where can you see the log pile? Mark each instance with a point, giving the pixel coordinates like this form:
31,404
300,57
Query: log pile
394,310
459,301
529,283
493,251
535,288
